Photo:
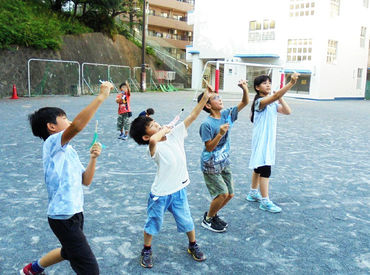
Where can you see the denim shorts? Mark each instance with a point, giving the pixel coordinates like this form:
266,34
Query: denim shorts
221,183
177,204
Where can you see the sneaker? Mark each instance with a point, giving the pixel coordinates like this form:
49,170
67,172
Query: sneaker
121,136
221,221
196,253
213,224
146,258
270,207
124,137
27,270
254,196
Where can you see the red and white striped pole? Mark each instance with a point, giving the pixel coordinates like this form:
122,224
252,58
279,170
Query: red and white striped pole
217,77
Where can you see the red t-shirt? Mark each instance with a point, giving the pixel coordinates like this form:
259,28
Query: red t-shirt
124,104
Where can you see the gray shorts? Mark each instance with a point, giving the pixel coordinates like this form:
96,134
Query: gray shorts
221,183
123,122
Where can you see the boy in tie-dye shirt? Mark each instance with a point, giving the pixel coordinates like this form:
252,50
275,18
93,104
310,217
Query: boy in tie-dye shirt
64,177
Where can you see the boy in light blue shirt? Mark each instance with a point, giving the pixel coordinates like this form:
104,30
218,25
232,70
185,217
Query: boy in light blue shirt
64,177
215,163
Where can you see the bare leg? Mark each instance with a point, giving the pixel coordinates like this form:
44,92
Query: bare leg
191,236
147,239
229,197
217,204
264,187
255,180
53,257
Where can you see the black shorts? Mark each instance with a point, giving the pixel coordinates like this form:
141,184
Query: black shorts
75,247
263,171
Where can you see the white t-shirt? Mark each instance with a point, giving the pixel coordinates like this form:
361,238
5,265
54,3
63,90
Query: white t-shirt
172,173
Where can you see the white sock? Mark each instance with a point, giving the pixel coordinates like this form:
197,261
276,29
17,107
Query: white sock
253,191
265,200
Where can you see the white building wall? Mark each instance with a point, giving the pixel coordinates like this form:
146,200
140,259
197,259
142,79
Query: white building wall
222,33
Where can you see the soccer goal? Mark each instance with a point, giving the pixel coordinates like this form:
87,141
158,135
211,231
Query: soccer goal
53,77
225,75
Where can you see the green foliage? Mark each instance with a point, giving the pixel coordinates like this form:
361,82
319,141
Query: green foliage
29,24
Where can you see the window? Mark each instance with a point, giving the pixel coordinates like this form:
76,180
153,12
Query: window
299,50
362,37
334,7
359,78
301,8
261,30
331,55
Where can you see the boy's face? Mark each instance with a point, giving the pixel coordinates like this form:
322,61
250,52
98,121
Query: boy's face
153,128
124,88
62,124
215,102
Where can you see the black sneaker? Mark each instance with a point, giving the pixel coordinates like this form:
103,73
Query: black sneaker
146,258
220,221
194,250
212,224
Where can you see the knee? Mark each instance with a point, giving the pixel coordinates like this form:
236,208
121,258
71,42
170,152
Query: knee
223,196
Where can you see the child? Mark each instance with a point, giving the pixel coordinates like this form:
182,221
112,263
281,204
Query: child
64,176
215,163
148,112
124,110
264,117
168,192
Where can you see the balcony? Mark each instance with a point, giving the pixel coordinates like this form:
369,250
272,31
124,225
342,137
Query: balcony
178,5
168,23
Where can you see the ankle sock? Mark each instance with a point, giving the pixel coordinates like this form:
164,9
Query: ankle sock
192,243
147,247
265,200
36,267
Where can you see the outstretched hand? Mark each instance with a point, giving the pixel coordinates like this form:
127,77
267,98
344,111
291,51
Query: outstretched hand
105,88
243,84
294,78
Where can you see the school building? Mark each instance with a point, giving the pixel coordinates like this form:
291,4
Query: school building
327,41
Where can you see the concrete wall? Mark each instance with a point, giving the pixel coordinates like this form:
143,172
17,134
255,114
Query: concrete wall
91,47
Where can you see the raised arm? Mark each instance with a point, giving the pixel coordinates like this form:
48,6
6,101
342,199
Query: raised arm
128,88
199,107
86,114
280,93
284,107
245,99
157,137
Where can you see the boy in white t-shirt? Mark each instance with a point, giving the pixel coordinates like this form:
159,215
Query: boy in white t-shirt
168,192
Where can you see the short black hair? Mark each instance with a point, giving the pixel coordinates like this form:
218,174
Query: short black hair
138,129
150,111
122,84
39,120
204,108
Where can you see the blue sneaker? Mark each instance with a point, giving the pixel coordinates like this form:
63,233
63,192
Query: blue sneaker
270,207
124,137
121,136
254,196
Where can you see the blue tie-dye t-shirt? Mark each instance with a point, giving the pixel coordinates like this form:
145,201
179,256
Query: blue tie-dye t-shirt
63,177
214,162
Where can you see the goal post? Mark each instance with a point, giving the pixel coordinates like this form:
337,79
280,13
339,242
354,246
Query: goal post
224,76
53,77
